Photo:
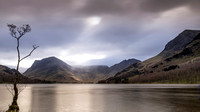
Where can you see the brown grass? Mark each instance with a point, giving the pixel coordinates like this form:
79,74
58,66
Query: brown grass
189,74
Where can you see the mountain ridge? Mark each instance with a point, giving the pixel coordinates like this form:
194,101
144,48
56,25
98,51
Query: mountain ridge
179,42
48,69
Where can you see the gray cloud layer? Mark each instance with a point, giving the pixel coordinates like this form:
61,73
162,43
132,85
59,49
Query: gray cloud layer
129,28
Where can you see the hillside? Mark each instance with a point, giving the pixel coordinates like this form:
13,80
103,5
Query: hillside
177,63
7,75
122,65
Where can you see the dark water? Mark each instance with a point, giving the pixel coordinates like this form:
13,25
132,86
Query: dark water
105,98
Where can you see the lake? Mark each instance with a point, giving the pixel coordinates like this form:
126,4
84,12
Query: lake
105,98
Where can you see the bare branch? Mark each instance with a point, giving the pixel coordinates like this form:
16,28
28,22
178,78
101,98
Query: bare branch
10,89
34,48
21,89
19,30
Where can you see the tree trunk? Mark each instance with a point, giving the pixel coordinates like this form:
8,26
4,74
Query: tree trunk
14,107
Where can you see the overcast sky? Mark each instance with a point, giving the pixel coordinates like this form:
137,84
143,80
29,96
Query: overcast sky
92,32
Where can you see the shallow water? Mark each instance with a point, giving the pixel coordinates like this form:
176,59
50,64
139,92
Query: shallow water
105,98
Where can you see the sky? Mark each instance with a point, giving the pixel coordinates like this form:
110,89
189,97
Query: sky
94,32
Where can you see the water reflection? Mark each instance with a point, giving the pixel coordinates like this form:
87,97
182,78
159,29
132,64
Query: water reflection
106,98
25,100
75,98
4,96
43,98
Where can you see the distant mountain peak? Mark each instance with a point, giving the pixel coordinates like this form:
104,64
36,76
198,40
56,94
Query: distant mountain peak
130,60
52,58
52,69
122,65
49,61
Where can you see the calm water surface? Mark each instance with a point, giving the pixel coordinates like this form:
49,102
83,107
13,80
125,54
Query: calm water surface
105,98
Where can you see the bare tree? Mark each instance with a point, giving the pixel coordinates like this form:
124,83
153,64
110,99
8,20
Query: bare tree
18,33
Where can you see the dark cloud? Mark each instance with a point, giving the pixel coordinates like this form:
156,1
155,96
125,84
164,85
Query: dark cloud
96,7
114,34
163,5
37,6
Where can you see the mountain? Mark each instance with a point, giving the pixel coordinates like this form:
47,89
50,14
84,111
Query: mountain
51,69
179,62
179,42
91,73
122,65
54,69
7,75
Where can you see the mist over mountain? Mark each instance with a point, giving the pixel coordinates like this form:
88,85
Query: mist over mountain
91,73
